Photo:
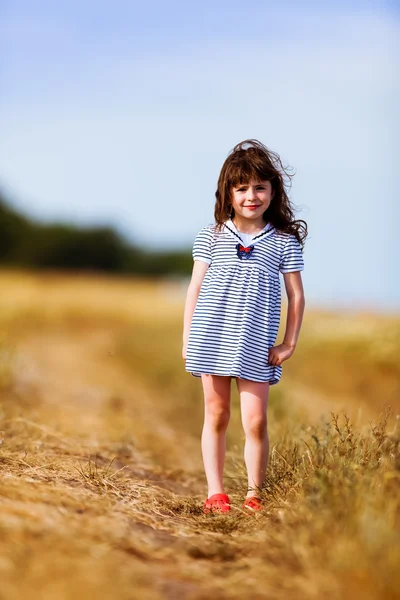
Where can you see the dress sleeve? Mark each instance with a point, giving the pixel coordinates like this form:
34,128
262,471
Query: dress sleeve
202,245
292,256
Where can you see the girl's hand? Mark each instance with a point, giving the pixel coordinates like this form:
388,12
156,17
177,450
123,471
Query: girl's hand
277,354
184,351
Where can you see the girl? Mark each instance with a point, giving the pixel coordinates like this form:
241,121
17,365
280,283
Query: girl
233,305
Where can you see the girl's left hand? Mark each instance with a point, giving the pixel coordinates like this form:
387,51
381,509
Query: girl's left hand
277,354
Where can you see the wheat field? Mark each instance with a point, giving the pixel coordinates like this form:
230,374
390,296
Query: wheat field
102,481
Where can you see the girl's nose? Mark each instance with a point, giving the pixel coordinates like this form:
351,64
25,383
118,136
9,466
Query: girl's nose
251,193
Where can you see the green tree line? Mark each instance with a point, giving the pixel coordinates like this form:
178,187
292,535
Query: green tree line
30,244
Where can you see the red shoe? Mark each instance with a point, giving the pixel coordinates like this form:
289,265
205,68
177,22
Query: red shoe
253,504
217,503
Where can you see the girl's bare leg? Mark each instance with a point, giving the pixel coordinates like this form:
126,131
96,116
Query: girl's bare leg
217,395
253,406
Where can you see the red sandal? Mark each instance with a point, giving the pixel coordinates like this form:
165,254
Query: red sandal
217,503
253,504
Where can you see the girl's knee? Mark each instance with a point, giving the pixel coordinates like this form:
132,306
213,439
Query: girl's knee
217,415
217,401
256,427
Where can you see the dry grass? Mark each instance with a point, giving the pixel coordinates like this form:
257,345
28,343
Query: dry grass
101,475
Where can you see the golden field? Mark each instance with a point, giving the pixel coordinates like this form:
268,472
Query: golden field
102,481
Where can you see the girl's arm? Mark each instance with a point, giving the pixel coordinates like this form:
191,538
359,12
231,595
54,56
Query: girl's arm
295,310
199,270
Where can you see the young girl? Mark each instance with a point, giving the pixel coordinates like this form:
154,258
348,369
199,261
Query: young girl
233,306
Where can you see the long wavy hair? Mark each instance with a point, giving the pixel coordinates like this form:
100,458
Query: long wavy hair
249,160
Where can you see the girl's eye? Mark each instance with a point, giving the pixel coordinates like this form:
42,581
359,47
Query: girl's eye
243,189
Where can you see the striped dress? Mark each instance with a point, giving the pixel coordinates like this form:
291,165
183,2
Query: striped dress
236,317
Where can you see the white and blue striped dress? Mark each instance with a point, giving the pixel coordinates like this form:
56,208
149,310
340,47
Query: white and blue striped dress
237,314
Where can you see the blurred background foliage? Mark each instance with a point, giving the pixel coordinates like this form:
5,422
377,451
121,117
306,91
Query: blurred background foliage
30,244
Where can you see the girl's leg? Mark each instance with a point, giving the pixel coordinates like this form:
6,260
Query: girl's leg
217,395
253,405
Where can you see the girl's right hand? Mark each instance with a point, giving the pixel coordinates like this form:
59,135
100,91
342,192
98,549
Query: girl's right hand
184,351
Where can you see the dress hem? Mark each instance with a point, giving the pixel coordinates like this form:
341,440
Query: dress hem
199,374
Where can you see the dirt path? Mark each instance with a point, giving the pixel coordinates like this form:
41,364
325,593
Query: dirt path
86,394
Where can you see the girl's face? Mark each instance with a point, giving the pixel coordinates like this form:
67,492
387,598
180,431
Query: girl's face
250,200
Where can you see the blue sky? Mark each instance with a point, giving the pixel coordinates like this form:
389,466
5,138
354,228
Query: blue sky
124,112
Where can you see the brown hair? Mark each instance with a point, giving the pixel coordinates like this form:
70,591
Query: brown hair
248,160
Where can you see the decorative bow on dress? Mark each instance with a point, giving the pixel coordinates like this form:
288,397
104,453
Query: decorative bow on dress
244,252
